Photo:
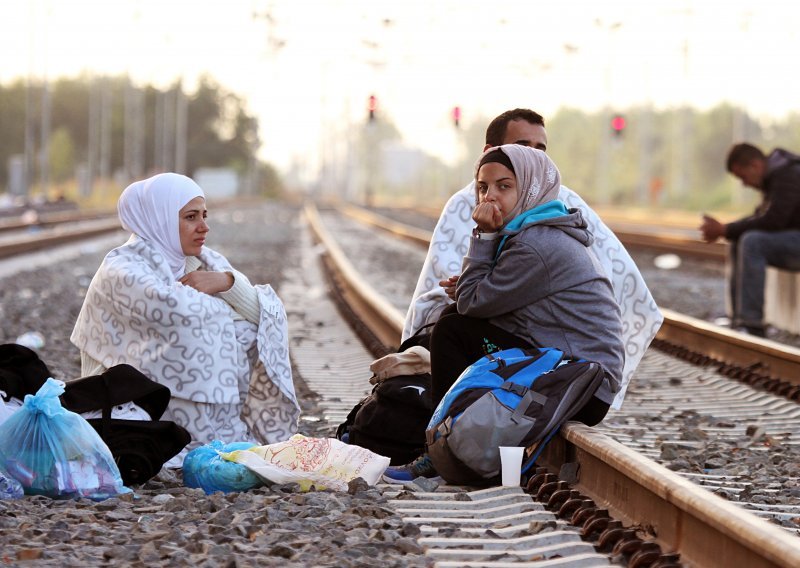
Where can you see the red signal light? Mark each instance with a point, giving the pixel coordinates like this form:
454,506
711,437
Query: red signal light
618,124
456,116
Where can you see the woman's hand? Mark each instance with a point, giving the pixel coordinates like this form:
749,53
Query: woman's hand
488,217
449,286
208,282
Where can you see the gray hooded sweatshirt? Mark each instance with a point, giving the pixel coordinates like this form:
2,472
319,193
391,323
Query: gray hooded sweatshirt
549,288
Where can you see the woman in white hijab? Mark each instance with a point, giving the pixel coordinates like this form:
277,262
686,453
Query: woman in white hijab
175,309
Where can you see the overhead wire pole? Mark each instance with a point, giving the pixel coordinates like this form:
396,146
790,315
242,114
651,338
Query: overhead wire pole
168,130
44,144
682,129
604,153
739,128
105,130
158,139
92,138
181,128
29,151
274,45
376,58
30,143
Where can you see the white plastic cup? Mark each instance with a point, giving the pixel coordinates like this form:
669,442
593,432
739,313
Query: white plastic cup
511,462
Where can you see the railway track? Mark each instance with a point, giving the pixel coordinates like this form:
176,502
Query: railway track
19,236
37,220
22,235
630,524
757,362
631,508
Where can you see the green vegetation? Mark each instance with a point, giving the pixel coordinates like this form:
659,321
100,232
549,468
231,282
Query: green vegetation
662,159
112,131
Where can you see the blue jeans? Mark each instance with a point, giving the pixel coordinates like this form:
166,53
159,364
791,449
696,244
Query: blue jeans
749,257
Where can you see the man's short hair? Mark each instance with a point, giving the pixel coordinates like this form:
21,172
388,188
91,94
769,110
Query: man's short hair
742,154
496,131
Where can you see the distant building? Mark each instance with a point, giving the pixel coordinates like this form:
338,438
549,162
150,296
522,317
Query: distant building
218,183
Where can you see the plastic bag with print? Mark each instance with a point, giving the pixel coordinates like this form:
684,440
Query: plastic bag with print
325,463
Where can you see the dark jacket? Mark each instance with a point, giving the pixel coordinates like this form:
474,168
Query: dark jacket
780,207
548,287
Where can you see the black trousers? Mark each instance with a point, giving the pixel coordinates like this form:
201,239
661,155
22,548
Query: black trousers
458,341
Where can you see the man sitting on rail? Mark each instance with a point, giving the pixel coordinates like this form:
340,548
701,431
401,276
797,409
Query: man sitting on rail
435,289
769,237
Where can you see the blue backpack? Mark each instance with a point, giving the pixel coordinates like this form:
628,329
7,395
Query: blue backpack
513,397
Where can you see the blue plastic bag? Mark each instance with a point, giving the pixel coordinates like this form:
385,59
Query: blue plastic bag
54,452
204,468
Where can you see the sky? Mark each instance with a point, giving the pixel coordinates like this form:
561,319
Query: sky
306,67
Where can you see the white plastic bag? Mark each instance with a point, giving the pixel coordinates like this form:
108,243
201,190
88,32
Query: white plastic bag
325,463
6,410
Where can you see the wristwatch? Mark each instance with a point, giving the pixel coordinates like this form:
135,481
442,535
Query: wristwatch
478,234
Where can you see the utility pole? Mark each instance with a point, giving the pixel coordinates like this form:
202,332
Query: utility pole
105,130
181,125
44,144
30,144
92,141
603,155
158,139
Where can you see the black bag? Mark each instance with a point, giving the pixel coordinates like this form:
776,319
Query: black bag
140,447
21,371
391,420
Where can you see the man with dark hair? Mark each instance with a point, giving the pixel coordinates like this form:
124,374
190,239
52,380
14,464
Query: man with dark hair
436,285
768,237
496,131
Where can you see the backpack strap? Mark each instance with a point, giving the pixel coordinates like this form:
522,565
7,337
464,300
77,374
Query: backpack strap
522,406
528,396
442,430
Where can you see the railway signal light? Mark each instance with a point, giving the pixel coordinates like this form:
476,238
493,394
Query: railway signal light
617,124
372,106
456,116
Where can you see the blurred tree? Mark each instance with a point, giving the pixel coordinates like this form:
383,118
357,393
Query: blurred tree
62,156
270,182
573,142
220,132
12,124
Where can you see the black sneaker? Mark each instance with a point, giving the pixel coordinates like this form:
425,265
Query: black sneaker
751,330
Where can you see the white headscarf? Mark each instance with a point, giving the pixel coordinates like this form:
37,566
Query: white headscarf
538,178
149,209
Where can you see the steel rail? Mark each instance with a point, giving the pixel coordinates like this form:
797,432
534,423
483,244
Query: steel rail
379,315
54,218
57,236
663,236
413,234
768,358
667,243
95,224
761,356
704,528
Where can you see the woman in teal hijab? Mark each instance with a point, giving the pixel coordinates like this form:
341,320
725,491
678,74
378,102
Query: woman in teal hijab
528,280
